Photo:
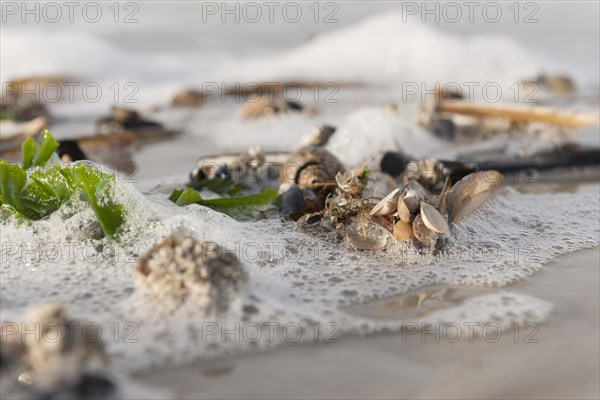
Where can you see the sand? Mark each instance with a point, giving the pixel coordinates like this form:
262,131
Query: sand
564,363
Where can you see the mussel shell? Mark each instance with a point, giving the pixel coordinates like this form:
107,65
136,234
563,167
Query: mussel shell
471,192
423,233
433,219
387,205
376,237
292,203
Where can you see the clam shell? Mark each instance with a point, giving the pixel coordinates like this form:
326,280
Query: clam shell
471,192
403,231
388,205
413,199
367,235
403,211
423,233
433,219
384,221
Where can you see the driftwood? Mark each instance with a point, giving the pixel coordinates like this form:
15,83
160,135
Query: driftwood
520,114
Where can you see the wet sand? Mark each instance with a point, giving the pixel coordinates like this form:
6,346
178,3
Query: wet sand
564,363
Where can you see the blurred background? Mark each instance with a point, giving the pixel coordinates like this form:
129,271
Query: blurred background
140,55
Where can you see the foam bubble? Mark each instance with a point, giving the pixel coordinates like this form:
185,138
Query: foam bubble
296,280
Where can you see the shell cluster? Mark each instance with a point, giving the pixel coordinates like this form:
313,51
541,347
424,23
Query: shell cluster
181,270
319,193
52,356
410,211
413,213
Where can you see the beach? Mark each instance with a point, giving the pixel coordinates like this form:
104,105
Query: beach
501,303
560,362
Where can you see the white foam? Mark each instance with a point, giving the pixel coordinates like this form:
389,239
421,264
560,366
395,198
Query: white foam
294,278
370,131
387,49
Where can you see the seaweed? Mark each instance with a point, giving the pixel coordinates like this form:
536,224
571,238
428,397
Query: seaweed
37,188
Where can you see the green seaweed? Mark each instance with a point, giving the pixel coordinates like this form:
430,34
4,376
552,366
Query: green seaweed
36,189
189,196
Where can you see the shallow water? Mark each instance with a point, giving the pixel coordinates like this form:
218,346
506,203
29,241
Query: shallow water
294,278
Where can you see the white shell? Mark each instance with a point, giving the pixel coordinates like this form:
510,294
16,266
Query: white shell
376,237
433,219
388,205
423,233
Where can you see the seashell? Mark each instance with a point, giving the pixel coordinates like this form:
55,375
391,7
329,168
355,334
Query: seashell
471,192
384,221
413,199
423,233
328,164
388,204
366,235
433,219
403,231
403,212
292,203
312,174
351,185
428,172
